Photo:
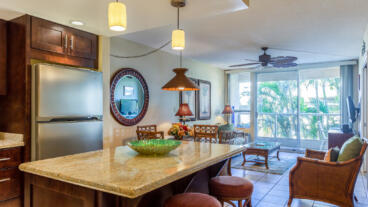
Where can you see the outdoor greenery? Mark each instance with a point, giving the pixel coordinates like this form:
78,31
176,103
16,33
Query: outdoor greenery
278,102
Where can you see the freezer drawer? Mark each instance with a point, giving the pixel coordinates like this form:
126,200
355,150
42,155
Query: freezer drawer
54,139
61,91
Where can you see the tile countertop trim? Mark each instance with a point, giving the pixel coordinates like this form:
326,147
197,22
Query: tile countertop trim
116,189
10,140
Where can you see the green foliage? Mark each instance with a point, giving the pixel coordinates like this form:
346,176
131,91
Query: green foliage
280,97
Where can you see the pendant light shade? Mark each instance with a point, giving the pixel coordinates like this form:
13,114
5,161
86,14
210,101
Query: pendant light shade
178,39
117,16
180,82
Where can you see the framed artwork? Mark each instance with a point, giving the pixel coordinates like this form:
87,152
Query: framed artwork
190,97
204,100
128,91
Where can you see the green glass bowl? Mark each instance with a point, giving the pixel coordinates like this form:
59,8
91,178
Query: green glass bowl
154,146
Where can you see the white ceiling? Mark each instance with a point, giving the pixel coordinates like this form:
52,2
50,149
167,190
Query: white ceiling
222,32
142,14
326,30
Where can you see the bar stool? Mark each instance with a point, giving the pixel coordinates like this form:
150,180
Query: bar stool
192,200
231,188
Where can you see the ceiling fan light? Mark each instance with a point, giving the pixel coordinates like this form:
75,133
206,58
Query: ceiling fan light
178,39
117,16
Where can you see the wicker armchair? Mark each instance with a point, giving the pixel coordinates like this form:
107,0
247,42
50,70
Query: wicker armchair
331,182
205,133
149,132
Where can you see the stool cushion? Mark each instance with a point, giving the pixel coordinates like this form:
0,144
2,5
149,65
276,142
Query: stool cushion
231,187
192,200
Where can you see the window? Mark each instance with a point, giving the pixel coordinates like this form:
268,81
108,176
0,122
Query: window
277,105
319,102
240,98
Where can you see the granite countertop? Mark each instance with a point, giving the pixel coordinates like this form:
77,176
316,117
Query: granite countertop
8,140
121,171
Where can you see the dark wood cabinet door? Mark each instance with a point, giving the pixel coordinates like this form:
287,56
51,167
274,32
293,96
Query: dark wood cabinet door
82,44
10,183
48,36
3,57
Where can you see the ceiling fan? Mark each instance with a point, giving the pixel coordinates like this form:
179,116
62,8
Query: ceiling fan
266,60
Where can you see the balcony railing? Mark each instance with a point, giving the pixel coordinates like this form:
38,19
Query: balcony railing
313,126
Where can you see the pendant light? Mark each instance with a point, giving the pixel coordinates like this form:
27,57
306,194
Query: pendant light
180,82
178,35
117,16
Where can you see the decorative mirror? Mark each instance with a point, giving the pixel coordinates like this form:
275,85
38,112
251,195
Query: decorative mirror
129,97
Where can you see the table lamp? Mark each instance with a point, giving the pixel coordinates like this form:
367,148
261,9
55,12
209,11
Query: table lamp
227,112
184,111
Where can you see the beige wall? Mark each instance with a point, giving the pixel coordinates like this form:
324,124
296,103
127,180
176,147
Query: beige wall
157,70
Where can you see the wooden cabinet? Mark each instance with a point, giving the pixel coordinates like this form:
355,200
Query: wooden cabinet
3,57
56,38
82,44
48,36
10,176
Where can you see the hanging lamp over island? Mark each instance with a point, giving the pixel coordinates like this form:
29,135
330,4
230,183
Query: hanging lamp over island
180,82
178,35
117,16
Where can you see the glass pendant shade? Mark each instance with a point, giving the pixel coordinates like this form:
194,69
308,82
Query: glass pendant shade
117,16
178,39
180,82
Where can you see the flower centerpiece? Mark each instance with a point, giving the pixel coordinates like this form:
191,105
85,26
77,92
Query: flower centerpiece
179,130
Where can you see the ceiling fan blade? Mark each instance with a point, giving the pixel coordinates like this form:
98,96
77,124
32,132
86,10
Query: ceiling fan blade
256,61
283,59
242,65
284,65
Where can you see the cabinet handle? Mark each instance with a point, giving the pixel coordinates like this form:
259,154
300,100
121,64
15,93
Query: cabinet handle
4,180
4,159
66,42
72,42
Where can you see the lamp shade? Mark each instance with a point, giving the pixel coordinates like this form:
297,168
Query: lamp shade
180,82
117,16
184,110
227,110
178,39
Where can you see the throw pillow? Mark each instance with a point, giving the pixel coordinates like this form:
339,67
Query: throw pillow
226,127
332,154
350,149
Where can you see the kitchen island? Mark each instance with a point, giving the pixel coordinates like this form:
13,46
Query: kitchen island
123,178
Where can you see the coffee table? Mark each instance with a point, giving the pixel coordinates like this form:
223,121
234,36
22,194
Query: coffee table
263,149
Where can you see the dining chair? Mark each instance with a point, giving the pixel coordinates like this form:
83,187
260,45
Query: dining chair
206,133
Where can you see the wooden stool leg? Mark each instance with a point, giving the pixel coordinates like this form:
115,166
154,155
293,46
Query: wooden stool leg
240,203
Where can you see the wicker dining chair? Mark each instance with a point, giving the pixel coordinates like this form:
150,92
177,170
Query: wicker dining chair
150,135
205,133
331,182
149,132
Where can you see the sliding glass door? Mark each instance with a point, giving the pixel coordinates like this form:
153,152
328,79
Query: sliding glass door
277,107
298,108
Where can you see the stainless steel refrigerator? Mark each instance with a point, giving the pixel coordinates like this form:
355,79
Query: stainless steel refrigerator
67,111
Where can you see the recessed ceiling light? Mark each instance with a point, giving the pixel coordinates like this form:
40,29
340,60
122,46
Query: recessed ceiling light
77,22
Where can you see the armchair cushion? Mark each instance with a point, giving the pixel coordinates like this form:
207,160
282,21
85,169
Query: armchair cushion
226,127
350,149
332,154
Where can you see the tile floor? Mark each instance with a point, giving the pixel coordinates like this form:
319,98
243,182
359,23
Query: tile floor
272,190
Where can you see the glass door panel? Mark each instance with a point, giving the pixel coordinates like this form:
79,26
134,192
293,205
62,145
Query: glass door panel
277,105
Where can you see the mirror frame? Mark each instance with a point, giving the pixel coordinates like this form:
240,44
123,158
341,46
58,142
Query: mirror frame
114,110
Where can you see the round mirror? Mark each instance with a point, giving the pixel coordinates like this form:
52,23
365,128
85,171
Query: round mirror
129,96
